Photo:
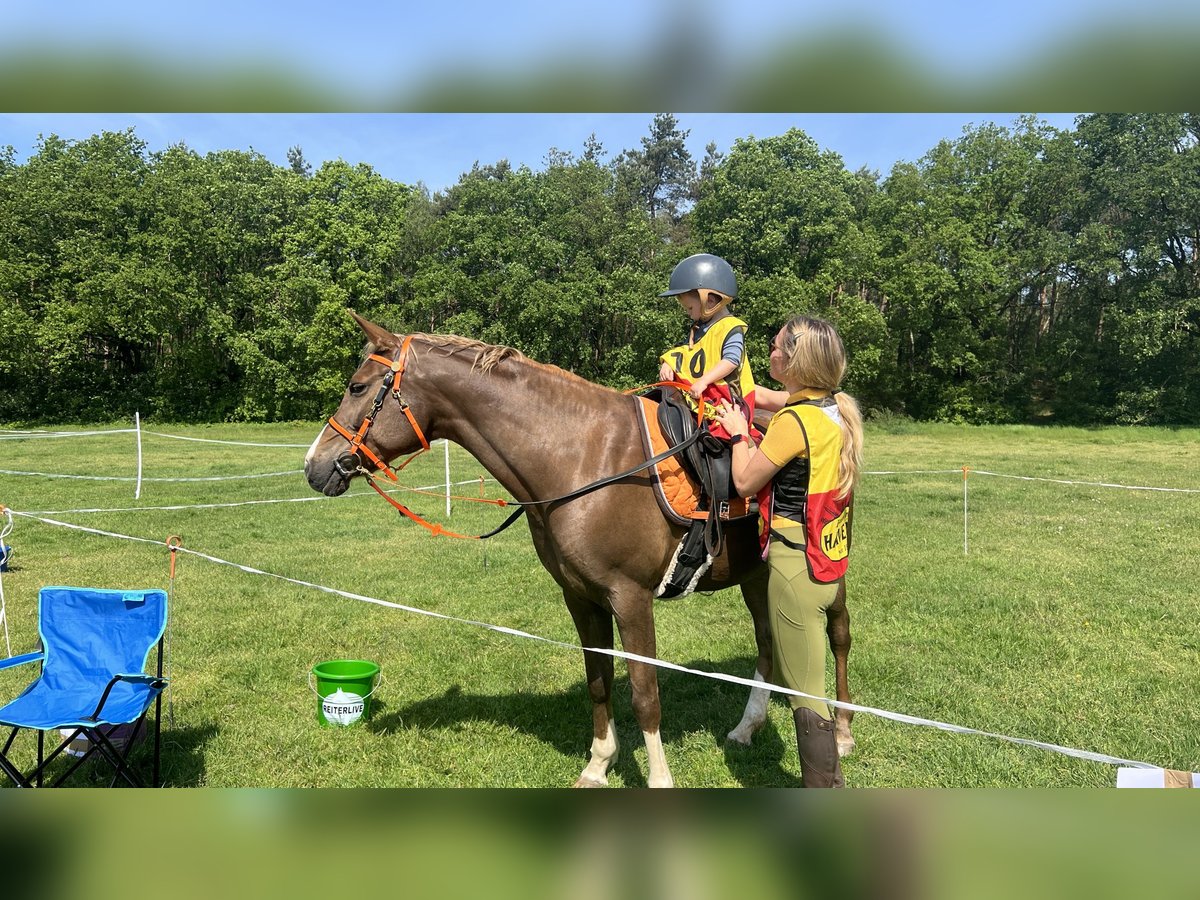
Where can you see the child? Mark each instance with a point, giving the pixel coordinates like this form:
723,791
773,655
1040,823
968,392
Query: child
713,361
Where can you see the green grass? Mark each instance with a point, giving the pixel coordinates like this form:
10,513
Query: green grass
1072,620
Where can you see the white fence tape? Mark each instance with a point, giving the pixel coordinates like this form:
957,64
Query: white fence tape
16,435
1105,484
180,437
184,506
620,654
131,478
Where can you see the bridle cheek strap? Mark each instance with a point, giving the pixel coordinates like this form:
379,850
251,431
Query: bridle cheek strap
398,365
357,445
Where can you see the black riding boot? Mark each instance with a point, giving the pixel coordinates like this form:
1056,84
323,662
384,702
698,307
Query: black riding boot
819,763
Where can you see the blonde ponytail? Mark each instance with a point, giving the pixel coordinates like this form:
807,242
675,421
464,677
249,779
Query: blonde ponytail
851,463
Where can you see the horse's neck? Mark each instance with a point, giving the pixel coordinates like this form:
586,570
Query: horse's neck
539,431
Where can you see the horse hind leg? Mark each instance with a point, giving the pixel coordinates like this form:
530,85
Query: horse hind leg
754,593
837,628
595,628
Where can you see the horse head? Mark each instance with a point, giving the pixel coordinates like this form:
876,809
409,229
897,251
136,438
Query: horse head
373,423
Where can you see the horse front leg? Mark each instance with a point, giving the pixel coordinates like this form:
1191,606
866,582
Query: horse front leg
754,593
595,628
837,628
635,621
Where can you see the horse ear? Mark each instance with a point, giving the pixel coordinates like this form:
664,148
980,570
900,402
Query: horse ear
380,337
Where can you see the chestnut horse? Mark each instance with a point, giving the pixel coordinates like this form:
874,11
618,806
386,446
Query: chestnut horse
607,549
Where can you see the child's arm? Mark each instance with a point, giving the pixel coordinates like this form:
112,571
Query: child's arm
712,376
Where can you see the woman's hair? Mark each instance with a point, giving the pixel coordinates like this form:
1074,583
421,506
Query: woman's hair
817,359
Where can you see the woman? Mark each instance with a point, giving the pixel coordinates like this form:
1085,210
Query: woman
813,453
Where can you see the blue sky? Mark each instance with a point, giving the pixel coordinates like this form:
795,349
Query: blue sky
436,148
372,46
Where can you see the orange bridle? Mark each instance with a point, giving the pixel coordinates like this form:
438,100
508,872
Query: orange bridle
358,447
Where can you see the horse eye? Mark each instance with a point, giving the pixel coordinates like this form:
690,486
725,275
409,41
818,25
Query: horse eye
356,388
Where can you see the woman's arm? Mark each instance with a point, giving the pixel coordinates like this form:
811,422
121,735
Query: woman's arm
751,468
769,400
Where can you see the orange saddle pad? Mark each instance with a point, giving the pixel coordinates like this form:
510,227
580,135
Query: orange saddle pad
678,495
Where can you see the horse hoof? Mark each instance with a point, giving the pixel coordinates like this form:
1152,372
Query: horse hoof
845,747
739,736
588,781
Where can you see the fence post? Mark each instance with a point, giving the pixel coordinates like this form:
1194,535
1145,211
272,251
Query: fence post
966,470
137,427
446,447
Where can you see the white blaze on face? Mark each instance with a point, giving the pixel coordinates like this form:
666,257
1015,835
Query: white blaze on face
313,449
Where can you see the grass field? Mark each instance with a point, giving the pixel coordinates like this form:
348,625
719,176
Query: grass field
1072,620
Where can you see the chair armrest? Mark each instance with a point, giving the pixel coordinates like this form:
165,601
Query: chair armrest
21,660
141,678
152,680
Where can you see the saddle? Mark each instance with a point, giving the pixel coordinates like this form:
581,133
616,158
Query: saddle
706,464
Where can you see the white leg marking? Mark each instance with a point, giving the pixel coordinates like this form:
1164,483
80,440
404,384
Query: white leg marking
660,774
603,754
845,740
754,716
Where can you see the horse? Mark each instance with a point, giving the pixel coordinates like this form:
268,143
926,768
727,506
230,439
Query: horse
606,549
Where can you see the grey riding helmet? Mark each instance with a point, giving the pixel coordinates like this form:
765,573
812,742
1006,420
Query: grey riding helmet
702,272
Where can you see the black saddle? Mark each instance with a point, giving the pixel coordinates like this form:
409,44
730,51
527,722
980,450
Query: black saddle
708,461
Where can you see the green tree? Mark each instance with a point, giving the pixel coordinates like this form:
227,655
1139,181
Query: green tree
659,175
1137,248
792,222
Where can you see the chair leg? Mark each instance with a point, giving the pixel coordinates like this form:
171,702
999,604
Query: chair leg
115,757
157,735
9,769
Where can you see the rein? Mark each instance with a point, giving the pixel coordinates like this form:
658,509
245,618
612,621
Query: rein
436,529
350,463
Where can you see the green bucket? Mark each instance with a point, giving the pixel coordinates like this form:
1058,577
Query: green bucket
344,688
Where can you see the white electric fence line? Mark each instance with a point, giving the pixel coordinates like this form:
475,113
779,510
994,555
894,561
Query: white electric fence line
14,435
1127,487
917,472
131,478
18,435
180,437
621,654
186,506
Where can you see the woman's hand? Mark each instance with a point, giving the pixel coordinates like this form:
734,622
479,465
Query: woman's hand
731,419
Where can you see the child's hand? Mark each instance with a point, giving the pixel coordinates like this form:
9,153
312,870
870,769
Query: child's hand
697,389
666,373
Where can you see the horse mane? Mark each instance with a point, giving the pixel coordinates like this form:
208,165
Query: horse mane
487,356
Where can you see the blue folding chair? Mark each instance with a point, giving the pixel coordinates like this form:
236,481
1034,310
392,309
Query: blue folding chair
95,644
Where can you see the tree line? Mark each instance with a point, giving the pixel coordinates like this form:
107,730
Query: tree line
1013,274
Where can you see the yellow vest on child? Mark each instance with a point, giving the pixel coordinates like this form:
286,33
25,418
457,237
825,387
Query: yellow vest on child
692,361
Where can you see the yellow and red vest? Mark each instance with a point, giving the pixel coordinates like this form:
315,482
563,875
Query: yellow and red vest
692,360
805,440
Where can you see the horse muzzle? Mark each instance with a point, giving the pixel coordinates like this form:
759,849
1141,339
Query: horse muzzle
331,479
